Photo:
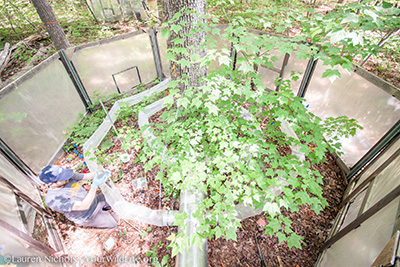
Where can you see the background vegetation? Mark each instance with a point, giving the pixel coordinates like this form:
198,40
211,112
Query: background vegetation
19,21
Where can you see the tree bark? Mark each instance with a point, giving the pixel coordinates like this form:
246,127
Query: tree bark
194,39
51,23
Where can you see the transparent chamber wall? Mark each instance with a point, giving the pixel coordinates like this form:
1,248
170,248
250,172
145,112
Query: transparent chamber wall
362,245
375,110
10,211
96,64
34,115
113,10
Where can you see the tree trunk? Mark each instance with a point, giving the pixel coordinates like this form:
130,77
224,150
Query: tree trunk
51,23
194,39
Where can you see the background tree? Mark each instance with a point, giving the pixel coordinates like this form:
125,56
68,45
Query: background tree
51,23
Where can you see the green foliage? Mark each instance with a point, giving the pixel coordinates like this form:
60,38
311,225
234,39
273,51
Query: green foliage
86,126
347,32
214,147
19,20
350,31
121,233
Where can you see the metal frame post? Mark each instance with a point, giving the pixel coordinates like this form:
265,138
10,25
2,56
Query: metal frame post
377,148
73,74
156,52
12,157
312,63
282,70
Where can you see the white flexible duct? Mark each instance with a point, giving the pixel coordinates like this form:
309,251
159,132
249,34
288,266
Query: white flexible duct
123,208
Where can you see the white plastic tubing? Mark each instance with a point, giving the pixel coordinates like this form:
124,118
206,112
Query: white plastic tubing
123,208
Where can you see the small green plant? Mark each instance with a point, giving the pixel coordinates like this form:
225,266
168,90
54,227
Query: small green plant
152,253
142,234
120,175
81,131
122,233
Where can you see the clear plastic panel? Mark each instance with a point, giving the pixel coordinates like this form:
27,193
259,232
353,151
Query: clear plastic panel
298,66
162,45
18,179
268,77
34,115
18,248
361,246
274,53
219,44
96,65
9,211
294,65
127,80
354,209
379,161
111,10
375,110
385,182
11,245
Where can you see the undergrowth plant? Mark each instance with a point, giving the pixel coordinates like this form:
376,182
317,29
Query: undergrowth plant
83,129
87,124
232,158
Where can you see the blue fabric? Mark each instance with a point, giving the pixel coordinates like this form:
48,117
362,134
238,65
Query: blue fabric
54,173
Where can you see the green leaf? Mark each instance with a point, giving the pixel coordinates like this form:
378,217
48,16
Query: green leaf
294,241
350,17
274,225
231,234
184,62
182,102
176,28
224,60
212,109
180,217
165,33
338,35
281,237
315,32
218,232
164,260
271,208
245,67
372,14
106,144
331,73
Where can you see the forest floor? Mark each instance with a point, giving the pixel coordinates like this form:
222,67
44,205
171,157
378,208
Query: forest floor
138,243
